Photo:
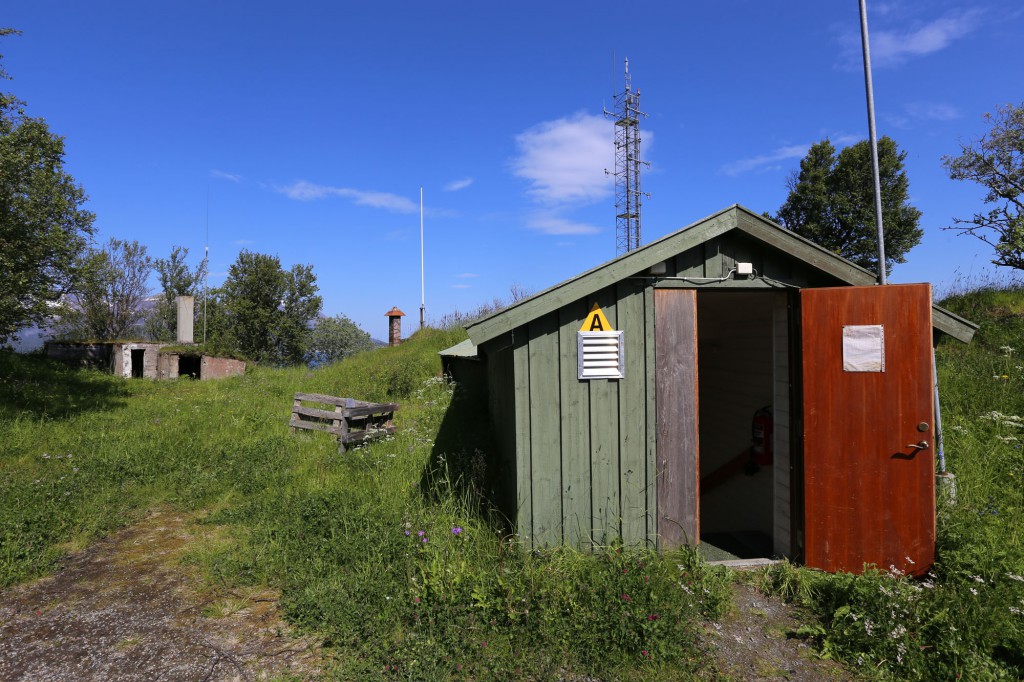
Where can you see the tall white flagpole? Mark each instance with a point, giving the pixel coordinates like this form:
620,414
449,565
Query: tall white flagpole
423,293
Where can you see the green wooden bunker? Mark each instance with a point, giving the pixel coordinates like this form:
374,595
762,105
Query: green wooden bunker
583,461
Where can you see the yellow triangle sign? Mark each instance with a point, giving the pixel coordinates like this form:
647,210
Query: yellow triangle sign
595,321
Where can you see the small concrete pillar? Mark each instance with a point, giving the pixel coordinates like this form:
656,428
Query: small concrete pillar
186,318
394,326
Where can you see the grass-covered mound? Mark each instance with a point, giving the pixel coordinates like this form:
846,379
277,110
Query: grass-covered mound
383,550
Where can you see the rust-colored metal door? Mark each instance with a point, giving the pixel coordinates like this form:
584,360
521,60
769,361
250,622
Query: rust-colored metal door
869,471
675,369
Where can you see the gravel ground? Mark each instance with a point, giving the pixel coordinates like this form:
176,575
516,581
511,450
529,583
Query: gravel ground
126,609
754,642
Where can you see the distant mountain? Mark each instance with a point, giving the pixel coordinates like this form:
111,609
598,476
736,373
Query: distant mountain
30,339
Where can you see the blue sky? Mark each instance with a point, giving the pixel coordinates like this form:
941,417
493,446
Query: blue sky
306,129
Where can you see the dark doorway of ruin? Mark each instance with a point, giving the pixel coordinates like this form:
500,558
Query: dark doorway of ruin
189,366
138,363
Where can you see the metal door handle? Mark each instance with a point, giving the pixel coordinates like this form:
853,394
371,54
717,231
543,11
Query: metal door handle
922,445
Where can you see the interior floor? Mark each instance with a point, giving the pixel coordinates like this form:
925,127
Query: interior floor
739,545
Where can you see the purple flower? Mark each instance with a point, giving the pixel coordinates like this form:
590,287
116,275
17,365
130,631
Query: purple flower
420,533
424,539
456,530
407,533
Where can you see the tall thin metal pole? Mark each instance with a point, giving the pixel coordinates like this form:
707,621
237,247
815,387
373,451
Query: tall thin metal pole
423,292
206,274
873,140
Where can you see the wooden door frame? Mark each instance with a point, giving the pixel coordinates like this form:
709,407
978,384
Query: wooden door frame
796,429
678,447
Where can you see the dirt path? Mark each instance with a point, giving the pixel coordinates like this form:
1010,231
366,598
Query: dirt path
126,609
754,642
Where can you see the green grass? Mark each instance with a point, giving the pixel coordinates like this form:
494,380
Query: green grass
339,535
84,453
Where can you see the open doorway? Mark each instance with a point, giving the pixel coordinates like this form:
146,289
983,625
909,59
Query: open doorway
743,370
138,363
189,366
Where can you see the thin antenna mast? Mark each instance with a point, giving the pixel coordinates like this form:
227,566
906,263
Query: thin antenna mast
206,261
627,167
423,293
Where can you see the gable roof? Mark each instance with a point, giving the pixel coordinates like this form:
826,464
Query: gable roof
735,217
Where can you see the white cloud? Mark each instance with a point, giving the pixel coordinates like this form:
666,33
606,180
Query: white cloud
891,47
933,111
460,286
243,242
302,190
548,223
456,185
565,160
466,275
765,161
221,175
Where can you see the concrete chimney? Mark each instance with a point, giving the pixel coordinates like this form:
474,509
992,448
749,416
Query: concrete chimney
186,318
394,326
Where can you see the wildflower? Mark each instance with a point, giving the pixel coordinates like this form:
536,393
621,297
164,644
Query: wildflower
974,592
653,617
1018,578
420,533
407,533
424,540
457,530
977,579
644,653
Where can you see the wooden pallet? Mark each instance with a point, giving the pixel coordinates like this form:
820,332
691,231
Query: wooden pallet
352,421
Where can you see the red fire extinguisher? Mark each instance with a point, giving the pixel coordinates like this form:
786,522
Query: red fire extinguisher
761,432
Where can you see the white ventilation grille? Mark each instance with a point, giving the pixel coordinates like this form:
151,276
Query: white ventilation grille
601,355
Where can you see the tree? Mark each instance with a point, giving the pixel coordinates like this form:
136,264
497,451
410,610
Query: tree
109,304
176,279
267,311
43,228
335,338
831,202
996,161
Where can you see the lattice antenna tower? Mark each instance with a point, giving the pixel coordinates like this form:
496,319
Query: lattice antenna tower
628,196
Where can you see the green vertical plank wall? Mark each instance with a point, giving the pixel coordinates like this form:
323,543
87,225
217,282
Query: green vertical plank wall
575,436
524,473
632,415
545,426
583,449
604,443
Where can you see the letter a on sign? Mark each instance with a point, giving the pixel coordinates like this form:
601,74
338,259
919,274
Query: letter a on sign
595,321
